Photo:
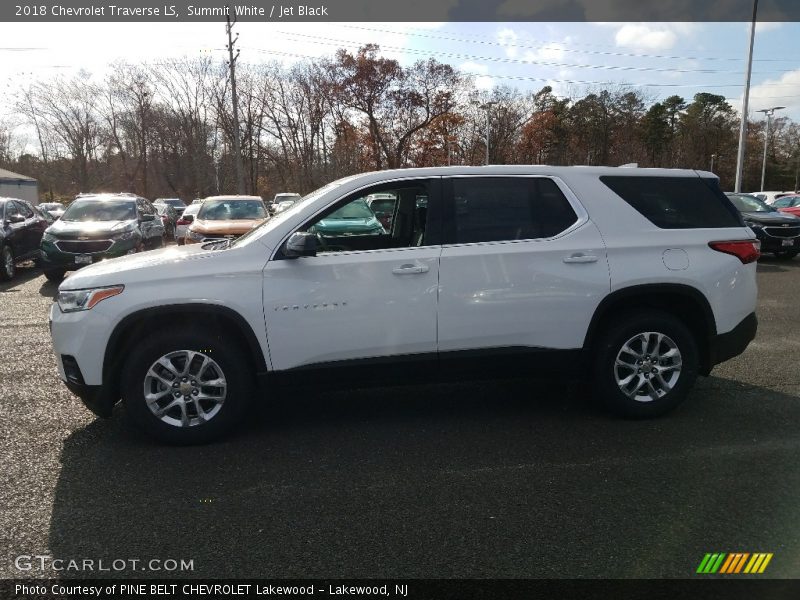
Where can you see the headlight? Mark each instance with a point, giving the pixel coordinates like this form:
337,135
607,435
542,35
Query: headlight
48,237
75,300
125,235
193,235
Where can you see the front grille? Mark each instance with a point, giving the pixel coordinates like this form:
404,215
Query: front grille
783,232
83,247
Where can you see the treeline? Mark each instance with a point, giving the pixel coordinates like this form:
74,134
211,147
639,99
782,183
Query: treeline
166,129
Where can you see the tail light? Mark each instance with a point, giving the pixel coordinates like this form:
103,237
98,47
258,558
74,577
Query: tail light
746,251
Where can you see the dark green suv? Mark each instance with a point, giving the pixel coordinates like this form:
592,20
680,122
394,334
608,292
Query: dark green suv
99,226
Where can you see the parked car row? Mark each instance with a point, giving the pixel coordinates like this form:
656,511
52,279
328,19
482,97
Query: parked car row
778,230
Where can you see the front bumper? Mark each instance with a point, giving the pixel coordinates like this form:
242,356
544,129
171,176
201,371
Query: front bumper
53,258
770,243
725,346
95,397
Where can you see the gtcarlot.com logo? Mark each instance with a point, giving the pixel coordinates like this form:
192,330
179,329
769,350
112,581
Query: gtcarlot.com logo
44,562
734,563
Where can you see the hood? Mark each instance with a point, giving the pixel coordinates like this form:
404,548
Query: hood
771,218
232,227
62,227
123,269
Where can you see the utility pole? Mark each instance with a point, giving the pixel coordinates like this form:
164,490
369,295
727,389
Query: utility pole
745,102
769,112
713,156
237,150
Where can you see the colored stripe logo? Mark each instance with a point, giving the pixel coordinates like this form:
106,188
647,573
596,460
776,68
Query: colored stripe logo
734,562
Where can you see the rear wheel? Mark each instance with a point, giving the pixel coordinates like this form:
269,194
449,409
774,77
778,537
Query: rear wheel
7,266
646,363
187,388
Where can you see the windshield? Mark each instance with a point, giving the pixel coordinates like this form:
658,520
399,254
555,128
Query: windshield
229,210
100,210
357,209
746,203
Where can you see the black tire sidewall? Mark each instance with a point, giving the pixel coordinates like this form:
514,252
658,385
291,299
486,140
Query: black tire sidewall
5,275
619,331
231,359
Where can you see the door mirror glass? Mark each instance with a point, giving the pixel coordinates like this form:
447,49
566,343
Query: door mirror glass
301,243
188,218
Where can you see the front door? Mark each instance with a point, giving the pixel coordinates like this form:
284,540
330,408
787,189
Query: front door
369,294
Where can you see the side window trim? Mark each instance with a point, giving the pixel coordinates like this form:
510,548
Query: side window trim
448,202
434,217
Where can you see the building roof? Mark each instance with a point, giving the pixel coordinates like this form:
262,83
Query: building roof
7,176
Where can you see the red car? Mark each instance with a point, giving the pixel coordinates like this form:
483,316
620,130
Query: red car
788,204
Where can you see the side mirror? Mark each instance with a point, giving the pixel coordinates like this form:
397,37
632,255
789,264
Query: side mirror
148,218
188,218
301,243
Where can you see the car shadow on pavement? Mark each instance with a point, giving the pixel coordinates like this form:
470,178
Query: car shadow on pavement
505,479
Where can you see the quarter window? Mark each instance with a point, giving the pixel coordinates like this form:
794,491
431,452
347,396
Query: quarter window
489,209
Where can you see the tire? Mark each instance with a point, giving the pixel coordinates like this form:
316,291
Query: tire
663,390
182,423
8,267
786,254
55,275
180,241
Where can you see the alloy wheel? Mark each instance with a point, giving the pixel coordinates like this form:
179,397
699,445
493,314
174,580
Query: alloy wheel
185,388
648,366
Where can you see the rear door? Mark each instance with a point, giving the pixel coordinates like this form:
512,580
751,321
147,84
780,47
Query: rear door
522,267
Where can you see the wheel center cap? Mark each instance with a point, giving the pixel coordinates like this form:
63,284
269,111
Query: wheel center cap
185,388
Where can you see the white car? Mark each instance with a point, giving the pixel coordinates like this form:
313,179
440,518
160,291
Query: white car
641,279
770,197
185,220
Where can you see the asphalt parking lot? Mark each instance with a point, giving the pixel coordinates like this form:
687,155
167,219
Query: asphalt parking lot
508,479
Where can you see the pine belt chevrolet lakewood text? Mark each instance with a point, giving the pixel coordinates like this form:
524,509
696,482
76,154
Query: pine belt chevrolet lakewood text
640,278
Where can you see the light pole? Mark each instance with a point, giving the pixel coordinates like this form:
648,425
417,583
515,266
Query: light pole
485,107
713,156
769,112
745,102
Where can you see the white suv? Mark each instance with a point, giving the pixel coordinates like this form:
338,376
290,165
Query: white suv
641,278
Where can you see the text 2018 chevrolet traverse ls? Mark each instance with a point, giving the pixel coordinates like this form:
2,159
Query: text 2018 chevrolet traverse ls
643,278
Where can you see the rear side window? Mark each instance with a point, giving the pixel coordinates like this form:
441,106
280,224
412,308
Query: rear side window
676,202
490,209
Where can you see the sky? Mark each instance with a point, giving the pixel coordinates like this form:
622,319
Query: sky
660,59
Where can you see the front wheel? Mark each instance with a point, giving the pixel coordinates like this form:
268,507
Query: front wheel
7,266
187,388
646,363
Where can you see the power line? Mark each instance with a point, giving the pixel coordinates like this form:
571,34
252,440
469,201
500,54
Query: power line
549,45
326,41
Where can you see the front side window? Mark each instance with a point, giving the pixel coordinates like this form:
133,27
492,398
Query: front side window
11,209
353,224
491,209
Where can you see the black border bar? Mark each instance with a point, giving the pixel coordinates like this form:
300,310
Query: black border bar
364,11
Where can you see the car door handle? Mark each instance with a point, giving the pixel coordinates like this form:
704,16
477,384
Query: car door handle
580,258
410,269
